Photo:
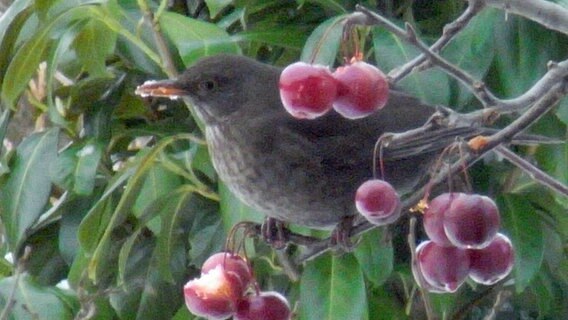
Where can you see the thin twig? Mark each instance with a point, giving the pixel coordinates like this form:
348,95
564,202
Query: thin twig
502,296
165,54
535,173
423,291
20,267
450,31
556,73
477,87
547,13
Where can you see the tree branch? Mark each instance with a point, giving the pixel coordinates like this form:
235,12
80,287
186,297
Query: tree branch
547,13
450,31
535,173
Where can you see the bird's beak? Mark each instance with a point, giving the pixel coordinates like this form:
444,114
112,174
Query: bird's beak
164,88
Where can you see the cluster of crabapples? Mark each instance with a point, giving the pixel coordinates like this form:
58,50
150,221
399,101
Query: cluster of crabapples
464,241
354,90
227,288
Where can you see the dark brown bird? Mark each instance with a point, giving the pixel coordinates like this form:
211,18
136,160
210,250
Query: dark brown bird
299,171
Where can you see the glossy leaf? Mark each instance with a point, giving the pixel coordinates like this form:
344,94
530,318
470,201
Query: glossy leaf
76,168
375,255
23,65
206,235
159,182
26,192
32,301
333,288
329,4
143,282
234,211
126,202
11,24
518,49
431,86
289,37
195,38
323,44
473,49
216,6
93,44
524,228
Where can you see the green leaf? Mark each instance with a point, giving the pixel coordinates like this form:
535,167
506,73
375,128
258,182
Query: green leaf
525,230
322,45
4,121
172,218
194,38
375,255
159,182
11,24
333,288
63,42
32,301
87,163
76,167
472,50
147,295
234,211
100,257
216,6
206,235
431,86
289,36
11,14
562,111
329,4
25,194
24,64
22,67
518,47
95,222
93,44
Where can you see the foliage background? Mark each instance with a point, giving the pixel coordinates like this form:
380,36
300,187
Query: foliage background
118,205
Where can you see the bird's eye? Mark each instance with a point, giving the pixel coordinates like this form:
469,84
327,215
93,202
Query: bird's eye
207,85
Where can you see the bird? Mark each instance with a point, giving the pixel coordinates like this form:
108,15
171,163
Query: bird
300,171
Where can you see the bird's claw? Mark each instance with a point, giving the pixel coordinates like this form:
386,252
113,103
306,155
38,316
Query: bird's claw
340,239
275,233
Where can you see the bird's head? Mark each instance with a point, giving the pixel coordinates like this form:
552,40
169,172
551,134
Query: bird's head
220,86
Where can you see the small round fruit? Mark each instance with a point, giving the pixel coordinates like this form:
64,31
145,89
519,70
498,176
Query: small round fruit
472,221
492,263
307,91
214,295
233,264
443,268
434,218
362,89
378,202
266,305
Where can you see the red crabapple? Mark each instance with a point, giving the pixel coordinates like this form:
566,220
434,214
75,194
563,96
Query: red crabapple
378,202
266,305
492,263
443,268
362,89
233,264
214,295
434,218
307,91
471,221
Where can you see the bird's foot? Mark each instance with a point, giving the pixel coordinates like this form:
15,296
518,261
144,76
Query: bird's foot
340,239
274,232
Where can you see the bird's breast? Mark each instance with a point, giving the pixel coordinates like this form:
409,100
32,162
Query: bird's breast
281,185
